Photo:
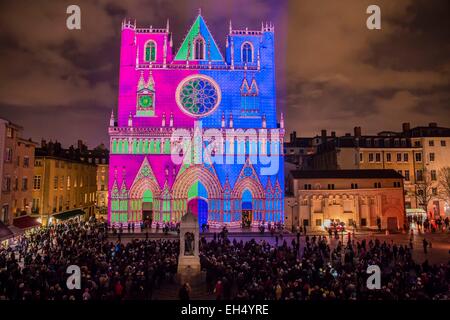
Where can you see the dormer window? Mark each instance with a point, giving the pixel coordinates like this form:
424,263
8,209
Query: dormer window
199,48
150,51
247,53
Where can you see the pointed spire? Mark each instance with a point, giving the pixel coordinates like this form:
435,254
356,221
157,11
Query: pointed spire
150,82
199,11
111,119
282,121
167,26
141,83
130,120
230,28
223,120
171,120
264,122
231,120
163,121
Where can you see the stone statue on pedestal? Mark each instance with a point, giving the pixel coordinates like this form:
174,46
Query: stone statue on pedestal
189,260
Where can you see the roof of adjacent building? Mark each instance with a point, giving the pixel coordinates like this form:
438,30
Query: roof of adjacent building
347,174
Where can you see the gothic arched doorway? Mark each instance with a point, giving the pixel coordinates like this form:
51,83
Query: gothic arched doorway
197,203
147,207
247,209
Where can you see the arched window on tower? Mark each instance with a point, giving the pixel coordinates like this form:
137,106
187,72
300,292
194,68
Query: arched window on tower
247,53
150,51
199,49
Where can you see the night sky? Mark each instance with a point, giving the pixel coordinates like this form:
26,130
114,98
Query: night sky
332,72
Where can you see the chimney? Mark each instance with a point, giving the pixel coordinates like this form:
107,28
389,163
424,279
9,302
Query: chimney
357,131
406,126
80,145
323,136
432,124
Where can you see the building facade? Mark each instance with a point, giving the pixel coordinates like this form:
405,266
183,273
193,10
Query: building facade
353,197
16,171
418,154
170,103
435,144
64,186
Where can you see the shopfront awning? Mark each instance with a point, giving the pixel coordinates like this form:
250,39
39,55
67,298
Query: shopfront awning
5,233
415,211
68,214
26,222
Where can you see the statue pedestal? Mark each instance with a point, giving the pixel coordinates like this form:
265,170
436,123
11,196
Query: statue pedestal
189,264
189,270
189,261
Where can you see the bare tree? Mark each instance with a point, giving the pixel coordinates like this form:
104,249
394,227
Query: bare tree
444,183
424,190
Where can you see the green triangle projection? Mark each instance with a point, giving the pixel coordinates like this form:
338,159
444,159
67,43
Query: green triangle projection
199,27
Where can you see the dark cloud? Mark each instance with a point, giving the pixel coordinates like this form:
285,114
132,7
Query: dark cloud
331,71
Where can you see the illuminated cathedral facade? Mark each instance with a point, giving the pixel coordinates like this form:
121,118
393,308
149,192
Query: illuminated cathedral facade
196,89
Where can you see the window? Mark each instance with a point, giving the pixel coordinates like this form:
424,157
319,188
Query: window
199,49
443,143
61,185
397,184
433,175
24,183
399,157
407,175
416,143
418,157
150,51
361,157
26,162
318,222
405,157
247,53
37,163
432,157
377,185
9,132
431,143
363,222
400,172
419,175
388,157
35,205
37,182
377,157
8,155
55,182
434,191
331,186
354,186
307,187
7,183
68,182
370,157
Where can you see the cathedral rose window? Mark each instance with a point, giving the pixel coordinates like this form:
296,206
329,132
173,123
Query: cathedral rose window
198,95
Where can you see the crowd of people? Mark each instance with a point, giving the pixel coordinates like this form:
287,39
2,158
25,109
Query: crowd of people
251,270
34,268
